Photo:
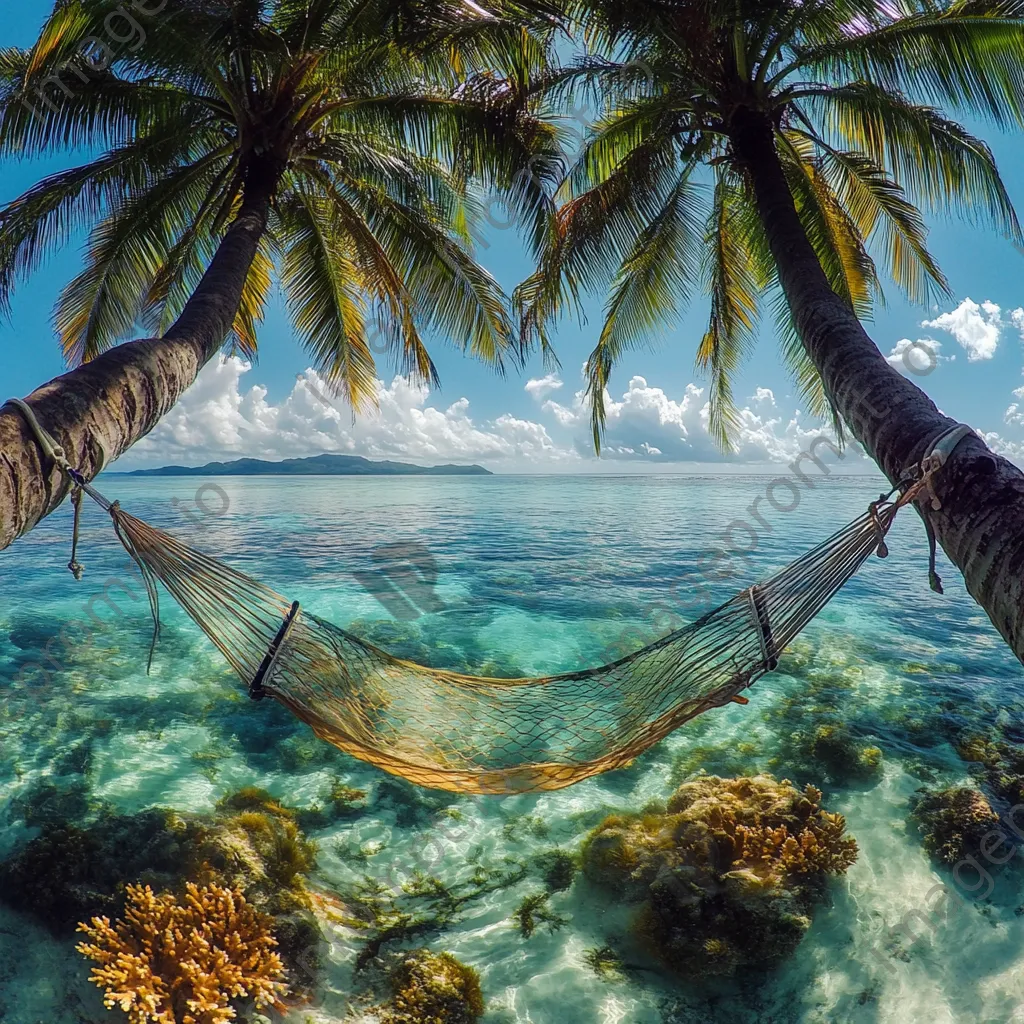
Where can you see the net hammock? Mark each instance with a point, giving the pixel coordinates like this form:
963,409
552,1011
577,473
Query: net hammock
471,734
498,736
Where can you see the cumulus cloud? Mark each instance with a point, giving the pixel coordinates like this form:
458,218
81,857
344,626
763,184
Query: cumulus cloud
647,422
976,328
541,387
217,419
222,417
918,358
1015,414
1012,450
1017,319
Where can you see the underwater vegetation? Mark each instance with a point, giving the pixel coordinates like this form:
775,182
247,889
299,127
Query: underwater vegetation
843,758
534,910
70,873
421,905
800,734
605,963
432,988
954,822
728,876
171,962
558,869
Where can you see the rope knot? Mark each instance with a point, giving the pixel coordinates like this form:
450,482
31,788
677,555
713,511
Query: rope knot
883,549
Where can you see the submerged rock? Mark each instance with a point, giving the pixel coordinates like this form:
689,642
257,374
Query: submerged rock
955,822
728,876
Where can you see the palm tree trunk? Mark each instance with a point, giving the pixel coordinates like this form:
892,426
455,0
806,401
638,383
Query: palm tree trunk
102,408
981,522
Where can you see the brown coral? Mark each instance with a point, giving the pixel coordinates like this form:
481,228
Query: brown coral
183,963
954,822
433,988
729,875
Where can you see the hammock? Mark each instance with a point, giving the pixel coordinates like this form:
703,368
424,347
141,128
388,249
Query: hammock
476,735
471,734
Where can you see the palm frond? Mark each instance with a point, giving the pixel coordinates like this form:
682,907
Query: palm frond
731,280
883,215
939,164
126,251
954,57
328,310
830,229
651,287
253,306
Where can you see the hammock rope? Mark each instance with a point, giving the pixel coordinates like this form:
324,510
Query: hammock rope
480,735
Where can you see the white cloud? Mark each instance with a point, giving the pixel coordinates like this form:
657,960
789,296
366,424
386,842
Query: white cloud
1012,450
918,358
1015,414
221,418
647,420
1017,318
541,387
976,328
215,420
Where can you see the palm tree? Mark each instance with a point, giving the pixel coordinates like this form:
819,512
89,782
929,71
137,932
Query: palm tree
773,151
338,146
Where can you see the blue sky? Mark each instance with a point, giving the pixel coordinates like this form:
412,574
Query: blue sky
505,423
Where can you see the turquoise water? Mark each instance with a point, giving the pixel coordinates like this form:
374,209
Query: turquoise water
533,575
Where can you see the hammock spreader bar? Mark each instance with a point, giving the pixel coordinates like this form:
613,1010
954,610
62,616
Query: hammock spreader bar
478,735
256,691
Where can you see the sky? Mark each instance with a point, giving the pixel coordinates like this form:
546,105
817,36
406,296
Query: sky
967,353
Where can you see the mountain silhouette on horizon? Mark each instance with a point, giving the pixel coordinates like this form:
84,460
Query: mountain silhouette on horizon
317,465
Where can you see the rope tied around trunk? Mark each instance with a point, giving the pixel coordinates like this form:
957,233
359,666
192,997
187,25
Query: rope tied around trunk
54,451
474,734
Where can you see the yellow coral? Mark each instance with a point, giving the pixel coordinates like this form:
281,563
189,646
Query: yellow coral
174,963
819,847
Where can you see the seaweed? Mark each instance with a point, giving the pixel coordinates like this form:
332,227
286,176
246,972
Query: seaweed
534,910
422,905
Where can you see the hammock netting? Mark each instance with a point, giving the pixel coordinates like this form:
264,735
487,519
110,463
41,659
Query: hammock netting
476,735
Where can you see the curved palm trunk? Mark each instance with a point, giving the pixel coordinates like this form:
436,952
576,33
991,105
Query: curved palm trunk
102,408
981,523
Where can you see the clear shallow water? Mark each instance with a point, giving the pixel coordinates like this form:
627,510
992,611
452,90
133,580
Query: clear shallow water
534,575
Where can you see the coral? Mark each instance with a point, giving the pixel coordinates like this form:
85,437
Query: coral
842,758
953,822
534,910
68,874
977,748
433,988
729,875
999,764
183,963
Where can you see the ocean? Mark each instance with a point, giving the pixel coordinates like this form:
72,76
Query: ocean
506,576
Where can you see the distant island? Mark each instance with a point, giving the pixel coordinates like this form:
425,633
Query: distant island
318,465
